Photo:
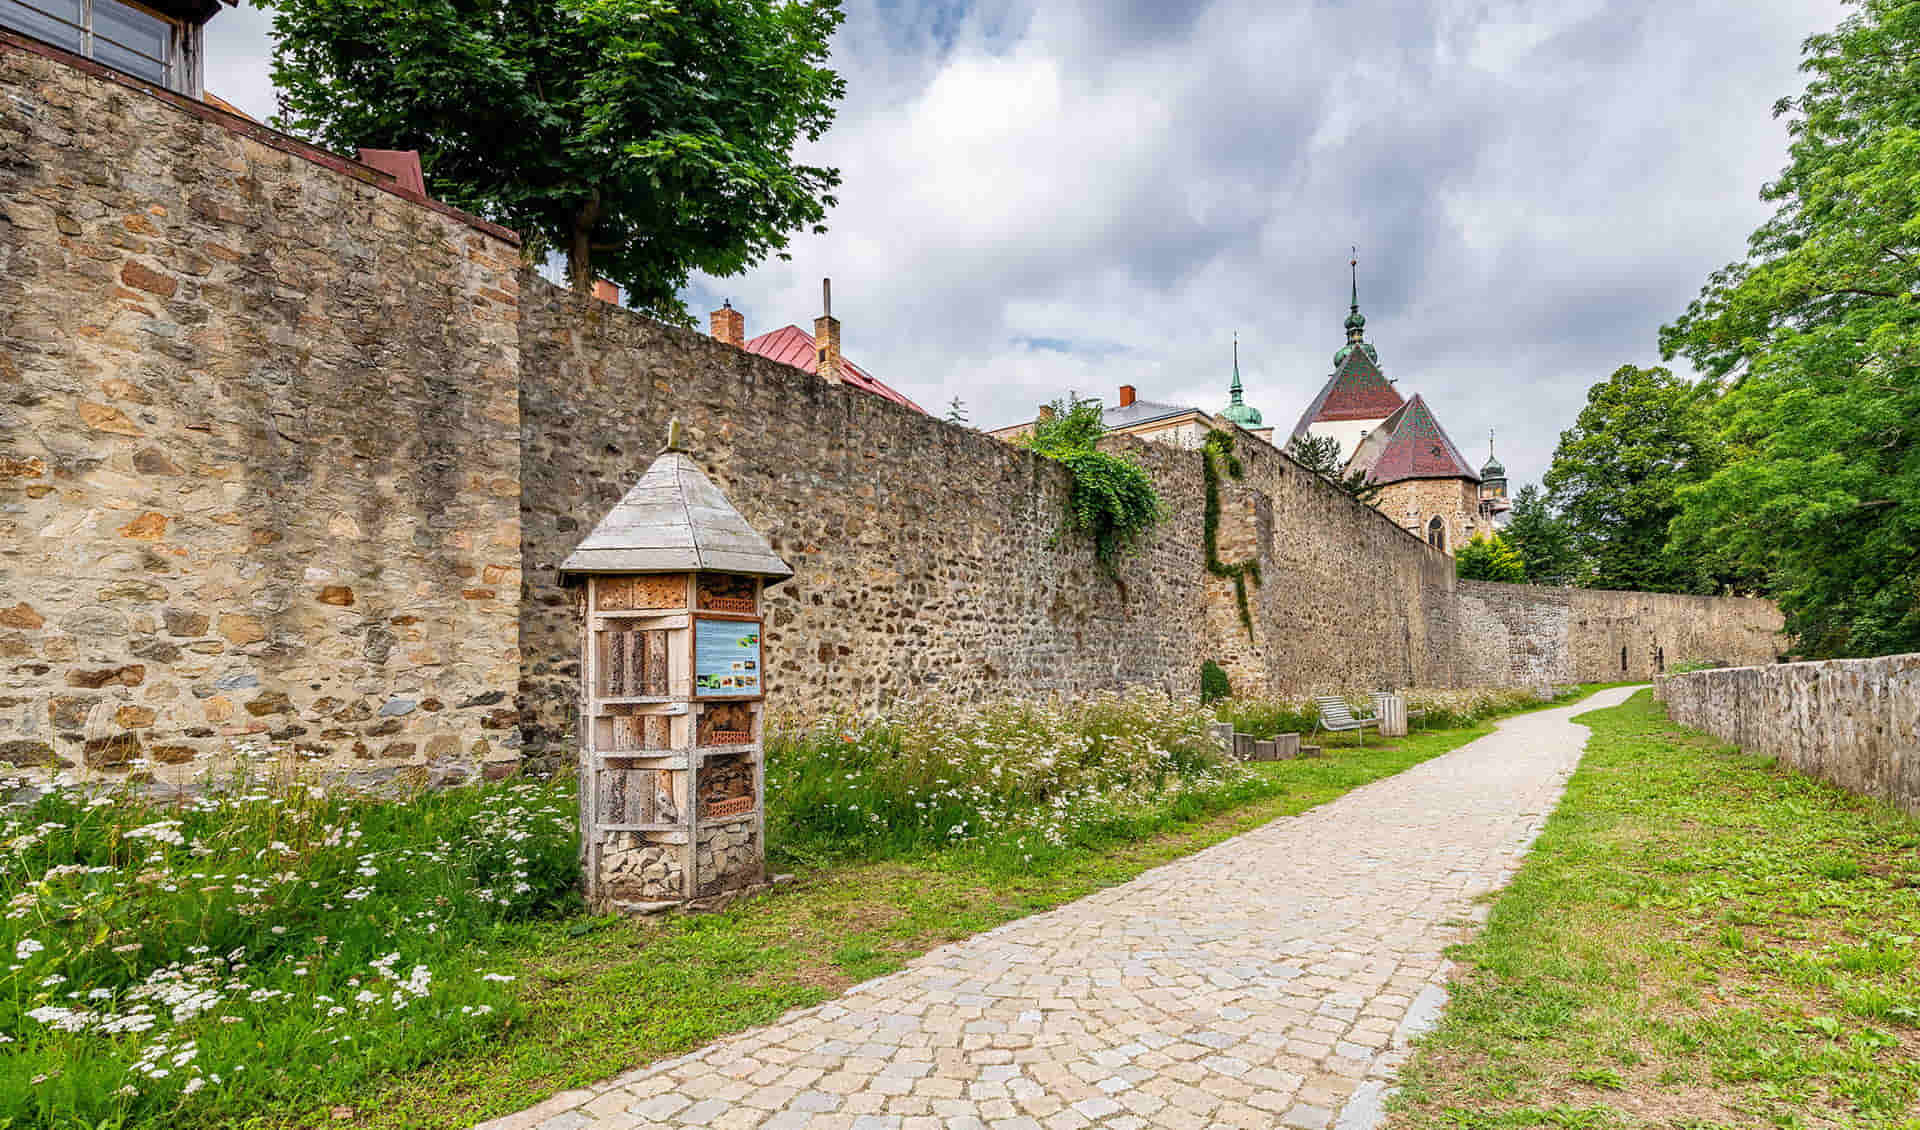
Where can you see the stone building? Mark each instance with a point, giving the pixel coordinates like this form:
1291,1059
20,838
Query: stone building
1428,488
1175,425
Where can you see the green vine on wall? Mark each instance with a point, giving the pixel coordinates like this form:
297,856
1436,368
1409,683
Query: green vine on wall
1113,501
1219,447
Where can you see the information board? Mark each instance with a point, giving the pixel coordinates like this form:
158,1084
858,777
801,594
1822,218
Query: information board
726,658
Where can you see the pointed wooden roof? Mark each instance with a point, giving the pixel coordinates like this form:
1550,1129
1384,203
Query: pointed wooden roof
675,520
1416,447
1357,390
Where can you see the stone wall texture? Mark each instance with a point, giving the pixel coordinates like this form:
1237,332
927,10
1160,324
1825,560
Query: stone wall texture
290,456
259,448
1854,723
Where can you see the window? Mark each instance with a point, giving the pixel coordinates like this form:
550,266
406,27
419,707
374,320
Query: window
1437,533
124,36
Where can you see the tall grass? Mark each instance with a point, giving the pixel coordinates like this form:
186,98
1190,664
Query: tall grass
172,963
1444,709
1024,778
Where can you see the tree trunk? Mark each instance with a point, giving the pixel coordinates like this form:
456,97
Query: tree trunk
580,245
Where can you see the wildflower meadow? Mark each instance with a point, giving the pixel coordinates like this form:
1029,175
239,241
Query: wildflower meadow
165,964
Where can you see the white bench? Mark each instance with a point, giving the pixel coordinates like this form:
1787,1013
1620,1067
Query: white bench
1336,717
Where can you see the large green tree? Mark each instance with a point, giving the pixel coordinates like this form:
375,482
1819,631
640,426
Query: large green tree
644,139
1816,338
1489,559
1541,538
1617,473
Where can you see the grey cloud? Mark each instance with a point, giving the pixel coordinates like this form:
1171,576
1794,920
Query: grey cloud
1053,194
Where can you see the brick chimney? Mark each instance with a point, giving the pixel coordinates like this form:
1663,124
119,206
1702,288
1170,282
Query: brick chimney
826,336
1126,396
727,325
606,291
1046,413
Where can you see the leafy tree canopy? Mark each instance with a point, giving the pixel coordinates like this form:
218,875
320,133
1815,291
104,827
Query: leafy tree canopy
1541,538
1816,335
645,139
1489,559
1616,475
1322,456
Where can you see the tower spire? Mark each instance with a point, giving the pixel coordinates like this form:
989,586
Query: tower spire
1353,265
1233,390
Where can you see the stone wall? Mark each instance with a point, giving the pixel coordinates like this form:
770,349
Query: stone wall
1527,635
924,554
289,455
1854,723
259,454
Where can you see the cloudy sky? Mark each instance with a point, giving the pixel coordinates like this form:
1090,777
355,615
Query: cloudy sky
1044,195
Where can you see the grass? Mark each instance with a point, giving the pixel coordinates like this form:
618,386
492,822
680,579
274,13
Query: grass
1699,939
603,996
278,956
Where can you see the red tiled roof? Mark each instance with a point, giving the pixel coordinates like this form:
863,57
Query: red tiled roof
791,345
1357,390
1418,448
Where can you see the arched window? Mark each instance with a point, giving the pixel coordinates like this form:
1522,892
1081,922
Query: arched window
1437,533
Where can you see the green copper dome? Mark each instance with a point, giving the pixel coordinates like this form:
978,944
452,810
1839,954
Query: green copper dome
1238,410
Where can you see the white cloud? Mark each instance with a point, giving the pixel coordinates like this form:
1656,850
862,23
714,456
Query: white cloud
1085,193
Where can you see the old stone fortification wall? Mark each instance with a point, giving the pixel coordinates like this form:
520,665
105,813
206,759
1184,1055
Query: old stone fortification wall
1527,635
1854,723
287,454
923,554
259,459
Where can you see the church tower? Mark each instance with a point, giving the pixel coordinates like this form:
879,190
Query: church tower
1238,410
1357,398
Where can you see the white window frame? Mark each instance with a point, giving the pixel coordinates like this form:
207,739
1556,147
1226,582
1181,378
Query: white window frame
182,66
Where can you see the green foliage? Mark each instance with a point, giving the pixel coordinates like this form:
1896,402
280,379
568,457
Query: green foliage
1322,456
957,412
1817,337
1541,538
1113,501
1688,665
644,139
1617,474
1489,559
1213,682
259,944
1215,454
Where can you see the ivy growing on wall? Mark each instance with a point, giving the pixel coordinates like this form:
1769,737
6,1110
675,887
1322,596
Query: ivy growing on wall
1217,453
1113,501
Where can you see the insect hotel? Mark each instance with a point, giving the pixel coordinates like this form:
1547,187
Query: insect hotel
672,677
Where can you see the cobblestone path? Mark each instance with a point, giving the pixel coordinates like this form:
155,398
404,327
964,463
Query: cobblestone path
1271,980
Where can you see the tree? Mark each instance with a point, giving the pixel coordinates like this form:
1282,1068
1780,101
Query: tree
1113,502
1617,473
1816,336
644,139
1542,539
1322,456
1489,559
957,412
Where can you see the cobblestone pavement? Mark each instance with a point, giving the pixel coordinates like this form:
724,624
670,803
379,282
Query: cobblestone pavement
1271,980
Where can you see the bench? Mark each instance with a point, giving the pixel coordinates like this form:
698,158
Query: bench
1336,716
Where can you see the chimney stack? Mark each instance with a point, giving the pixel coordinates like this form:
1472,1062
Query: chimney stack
1126,396
728,326
1046,413
826,336
605,291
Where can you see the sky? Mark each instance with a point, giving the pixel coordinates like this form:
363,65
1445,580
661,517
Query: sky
1044,196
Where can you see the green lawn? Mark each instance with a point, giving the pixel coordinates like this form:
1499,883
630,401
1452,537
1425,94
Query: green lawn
1699,939
606,995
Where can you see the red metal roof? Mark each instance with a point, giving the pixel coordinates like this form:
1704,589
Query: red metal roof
791,345
1419,448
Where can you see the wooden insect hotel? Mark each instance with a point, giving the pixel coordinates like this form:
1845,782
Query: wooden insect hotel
672,674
